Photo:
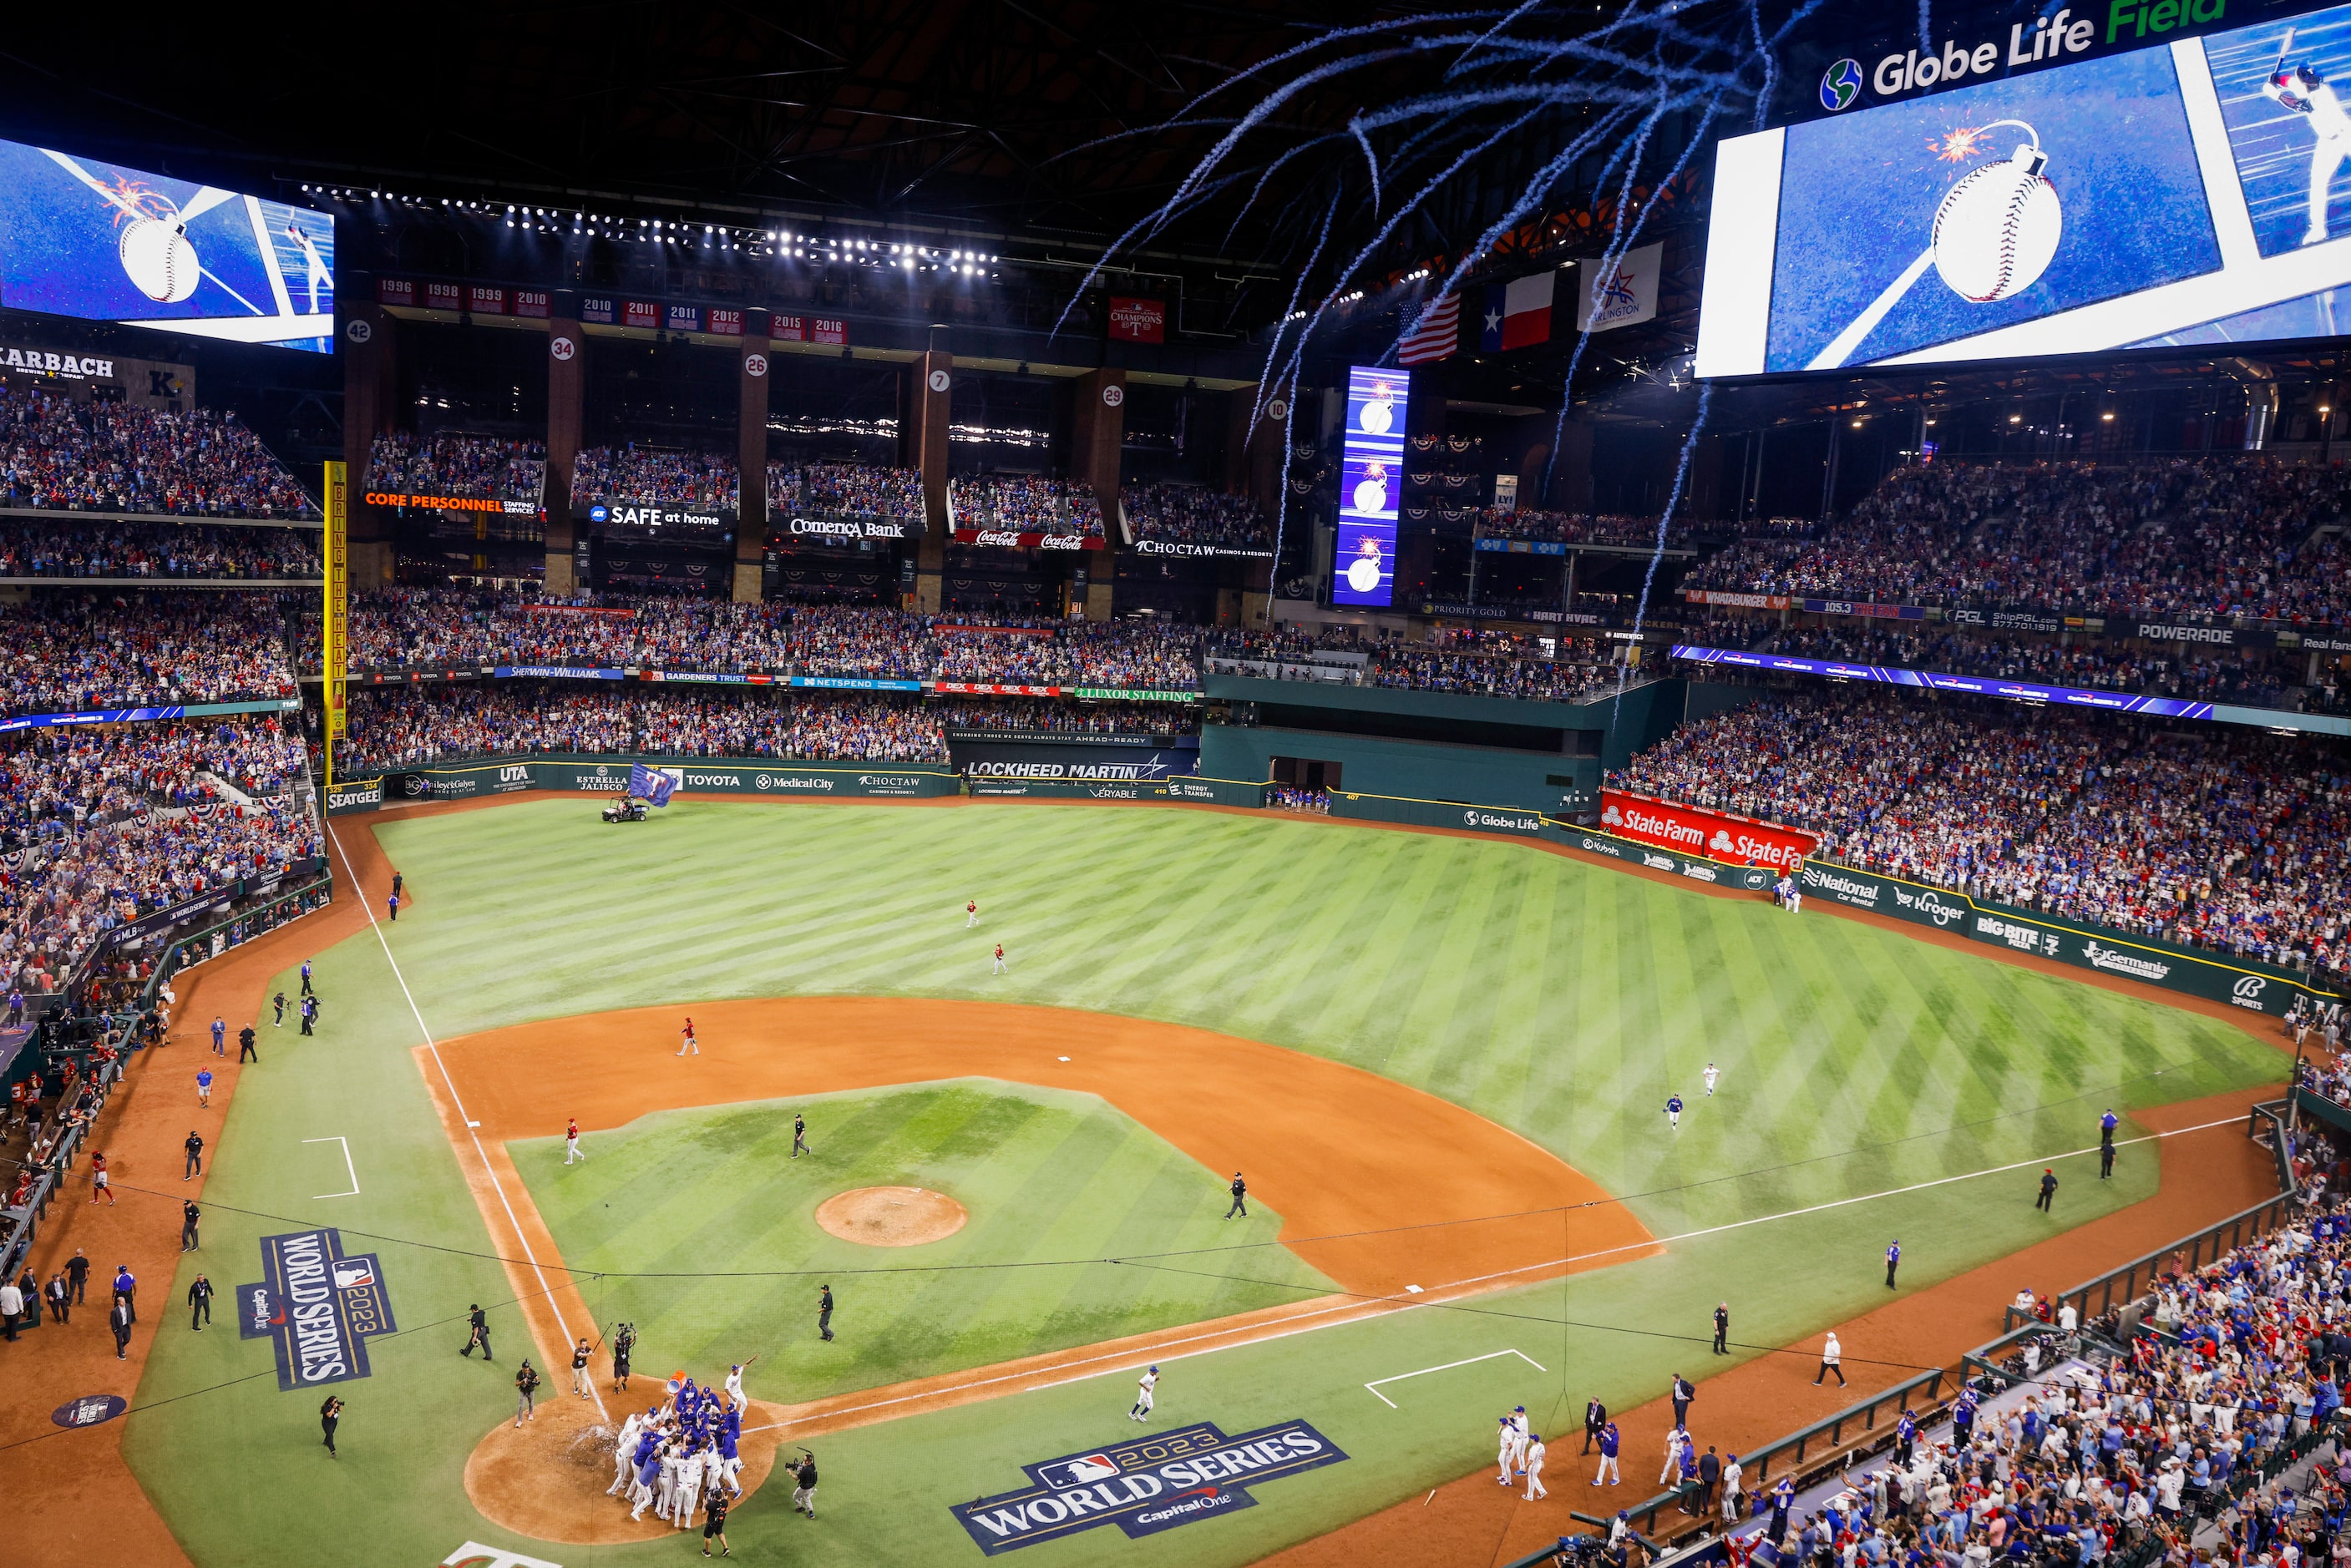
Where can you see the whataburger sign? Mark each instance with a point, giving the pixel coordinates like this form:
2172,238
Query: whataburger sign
1715,835
1144,1486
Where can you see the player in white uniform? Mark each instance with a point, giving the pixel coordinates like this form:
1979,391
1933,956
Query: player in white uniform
666,1489
1673,1470
689,1490
623,1469
971,914
1534,1463
1506,1449
312,261
735,1382
1519,1439
1145,1387
2304,91
1712,1073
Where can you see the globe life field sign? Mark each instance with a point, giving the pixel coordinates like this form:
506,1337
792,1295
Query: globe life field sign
2092,180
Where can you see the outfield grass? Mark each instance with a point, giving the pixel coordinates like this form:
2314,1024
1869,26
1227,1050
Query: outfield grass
1557,998
1045,1174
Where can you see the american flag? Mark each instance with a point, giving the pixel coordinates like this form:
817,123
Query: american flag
1434,336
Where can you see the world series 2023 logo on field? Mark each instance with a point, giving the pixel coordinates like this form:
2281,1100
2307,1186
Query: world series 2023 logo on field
1145,1486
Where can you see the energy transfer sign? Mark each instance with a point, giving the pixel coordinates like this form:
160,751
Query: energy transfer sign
1144,1486
317,1305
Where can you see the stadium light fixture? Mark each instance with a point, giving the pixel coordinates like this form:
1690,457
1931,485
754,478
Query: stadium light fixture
2108,415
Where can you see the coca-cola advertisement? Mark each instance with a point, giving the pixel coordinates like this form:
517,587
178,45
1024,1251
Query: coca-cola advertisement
1718,836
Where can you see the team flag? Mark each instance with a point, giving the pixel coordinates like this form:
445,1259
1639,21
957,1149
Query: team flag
654,783
1517,313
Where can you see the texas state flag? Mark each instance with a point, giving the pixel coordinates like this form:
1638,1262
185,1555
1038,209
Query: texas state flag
1517,313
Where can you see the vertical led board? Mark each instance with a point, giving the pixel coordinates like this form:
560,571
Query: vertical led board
1371,485
333,623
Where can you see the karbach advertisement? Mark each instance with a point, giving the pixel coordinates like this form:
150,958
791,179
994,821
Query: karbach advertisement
2191,192
1718,836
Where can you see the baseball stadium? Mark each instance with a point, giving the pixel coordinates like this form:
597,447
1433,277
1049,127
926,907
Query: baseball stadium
695,877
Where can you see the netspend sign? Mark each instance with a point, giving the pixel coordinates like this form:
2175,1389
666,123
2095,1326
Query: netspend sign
1714,835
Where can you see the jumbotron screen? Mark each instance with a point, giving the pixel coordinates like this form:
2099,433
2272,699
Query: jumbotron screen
85,238
2194,191
1370,487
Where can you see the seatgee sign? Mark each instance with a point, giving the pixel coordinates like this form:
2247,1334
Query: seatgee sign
1144,1485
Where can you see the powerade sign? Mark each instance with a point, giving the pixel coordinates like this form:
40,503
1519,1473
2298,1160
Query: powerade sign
2014,931
1144,1486
317,1305
143,715
1935,680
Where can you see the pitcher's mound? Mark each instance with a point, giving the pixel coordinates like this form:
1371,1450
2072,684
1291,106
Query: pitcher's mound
891,1216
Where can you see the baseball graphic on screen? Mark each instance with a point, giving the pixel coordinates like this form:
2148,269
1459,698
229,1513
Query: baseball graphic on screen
158,260
1997,228
1379,410
1364,571
1372,491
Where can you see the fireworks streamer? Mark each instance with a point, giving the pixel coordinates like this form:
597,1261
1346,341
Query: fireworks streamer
1658,551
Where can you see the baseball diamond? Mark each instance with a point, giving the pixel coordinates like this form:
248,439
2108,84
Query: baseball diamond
1555,787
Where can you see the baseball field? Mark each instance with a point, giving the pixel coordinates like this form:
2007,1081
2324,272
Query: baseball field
1441,1061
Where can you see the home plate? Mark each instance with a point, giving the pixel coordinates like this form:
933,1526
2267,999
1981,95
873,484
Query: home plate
1061,1058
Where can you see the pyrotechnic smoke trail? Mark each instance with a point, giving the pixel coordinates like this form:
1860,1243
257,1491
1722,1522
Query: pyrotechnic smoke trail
1658,551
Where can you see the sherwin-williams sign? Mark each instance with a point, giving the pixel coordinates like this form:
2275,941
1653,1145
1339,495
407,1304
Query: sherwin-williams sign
2239,981
1145,1485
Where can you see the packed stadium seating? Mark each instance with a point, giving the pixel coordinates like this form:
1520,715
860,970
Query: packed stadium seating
2213,836
848,489
2248,678
1047,716
629,473
103,825
2222,536
1190,514
473,467
39,547
121,457
410,726
1026,503
63,651
1580,528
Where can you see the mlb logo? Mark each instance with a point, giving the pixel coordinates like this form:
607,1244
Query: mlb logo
1080,1472
353,1274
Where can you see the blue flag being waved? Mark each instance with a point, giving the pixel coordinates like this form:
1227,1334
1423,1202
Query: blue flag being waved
652,783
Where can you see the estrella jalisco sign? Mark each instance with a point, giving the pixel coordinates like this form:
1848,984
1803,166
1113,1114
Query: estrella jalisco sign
1144,1485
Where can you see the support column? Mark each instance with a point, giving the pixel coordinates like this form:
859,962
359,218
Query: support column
370,406
751,462
567,399
1256,461
1098,429
929,402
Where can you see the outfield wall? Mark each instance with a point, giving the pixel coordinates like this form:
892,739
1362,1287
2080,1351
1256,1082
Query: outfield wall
1424,770
2239,981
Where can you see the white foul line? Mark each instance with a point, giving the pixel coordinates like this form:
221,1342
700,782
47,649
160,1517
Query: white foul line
1375,1384
547,1292
1354,1311
348,1168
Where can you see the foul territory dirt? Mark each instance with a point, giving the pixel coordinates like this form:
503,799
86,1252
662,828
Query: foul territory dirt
891,1216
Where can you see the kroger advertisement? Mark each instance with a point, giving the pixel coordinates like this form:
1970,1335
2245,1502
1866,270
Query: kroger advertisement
2093,183
1370,487
85,238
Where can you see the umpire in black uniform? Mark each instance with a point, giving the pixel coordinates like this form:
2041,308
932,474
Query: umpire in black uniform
477,1332
1722,1328
1240,1198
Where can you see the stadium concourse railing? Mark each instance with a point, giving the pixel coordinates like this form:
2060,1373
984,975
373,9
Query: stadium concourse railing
1812,1454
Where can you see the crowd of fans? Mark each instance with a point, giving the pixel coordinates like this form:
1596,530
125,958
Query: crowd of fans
414,726
432,629
121,457
1188,515
62,650
1562,680
1026,503
1045,716
1580,528
851,489
630,473
2225,840
473,467
103,825
2213,1441
2208,536
35,547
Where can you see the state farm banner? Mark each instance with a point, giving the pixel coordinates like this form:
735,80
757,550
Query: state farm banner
1718,836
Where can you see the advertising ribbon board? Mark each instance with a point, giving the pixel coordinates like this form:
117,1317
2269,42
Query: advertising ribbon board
1718,836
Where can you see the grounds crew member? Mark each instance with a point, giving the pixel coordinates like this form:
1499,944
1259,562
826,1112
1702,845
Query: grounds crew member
200,1304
